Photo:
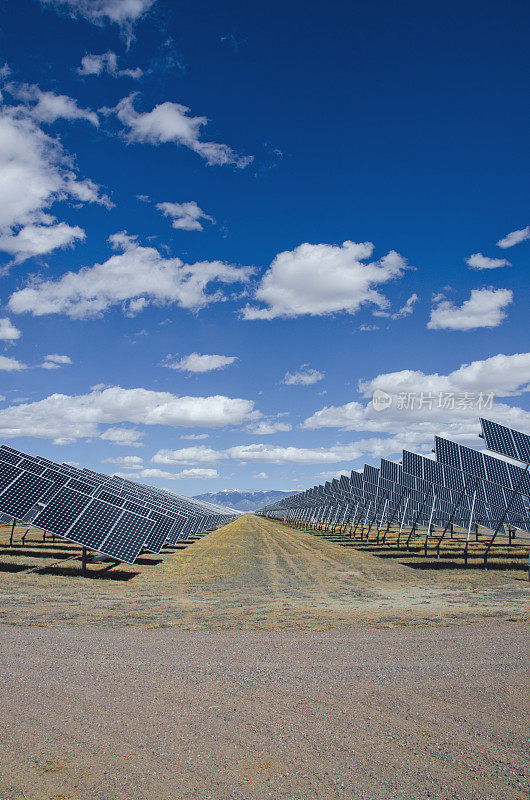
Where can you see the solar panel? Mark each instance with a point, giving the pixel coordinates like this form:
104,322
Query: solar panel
163,527
412,464
94,524
499,439
62,511
111,498
8,473
127,538
11,458
135,508
20,496
371,474
80,486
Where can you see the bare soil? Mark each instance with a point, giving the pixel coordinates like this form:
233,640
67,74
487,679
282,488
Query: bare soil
260,663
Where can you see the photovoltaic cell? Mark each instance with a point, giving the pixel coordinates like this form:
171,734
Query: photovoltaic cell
499,439
80,486
19,498
127,538
163,527
94,524
6,455
370,474
111,498
8,473
135,508
62,511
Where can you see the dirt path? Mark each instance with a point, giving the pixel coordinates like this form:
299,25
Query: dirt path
255,573
350,714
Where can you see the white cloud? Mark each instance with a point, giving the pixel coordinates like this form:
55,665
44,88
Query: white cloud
447,405
38,240
184,216
133,279
515,237
506,376
123,13
169,122
65,418
92,64
195,362
261,476
324,279
11,364
8,332
55,361
404,311
484,309
35,173
122,437
265,428
185,474
294,455
127,462
195,436
367,327
478,261
305,376
49,107
187,455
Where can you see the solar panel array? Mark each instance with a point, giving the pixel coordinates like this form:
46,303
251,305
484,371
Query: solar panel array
462,486
109,514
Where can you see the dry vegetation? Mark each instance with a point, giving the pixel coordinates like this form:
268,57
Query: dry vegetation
261,662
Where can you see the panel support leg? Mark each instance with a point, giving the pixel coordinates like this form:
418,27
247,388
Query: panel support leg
83,563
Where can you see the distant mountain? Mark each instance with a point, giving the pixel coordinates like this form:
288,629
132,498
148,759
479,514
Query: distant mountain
243,501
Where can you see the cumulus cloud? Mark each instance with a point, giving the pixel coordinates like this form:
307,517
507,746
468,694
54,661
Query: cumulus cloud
305,376
8,332
184,216
422,405
170,122
106,63
195,362
38,240
195,473
66,418
324,279
261,476
484,309
267,428
134,278
122,437
515,237
404,311
36,173
199,454
127,462
478,261
124,13
49,107
55,361
194,436
11,364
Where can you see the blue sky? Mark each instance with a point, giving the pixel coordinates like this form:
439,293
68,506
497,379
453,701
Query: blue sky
237,224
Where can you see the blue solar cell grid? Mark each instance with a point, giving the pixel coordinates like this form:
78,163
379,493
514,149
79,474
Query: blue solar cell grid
371,474
62,511
8,473
94,524
447,452
127,538
499,439
11,458
412,464
19,498
472,462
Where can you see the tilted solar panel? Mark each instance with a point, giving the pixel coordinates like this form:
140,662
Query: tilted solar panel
127,538
499,439
7,456
94,524
8,473
22,494
163,528
61,511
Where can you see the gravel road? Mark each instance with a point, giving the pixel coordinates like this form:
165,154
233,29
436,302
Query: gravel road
90,713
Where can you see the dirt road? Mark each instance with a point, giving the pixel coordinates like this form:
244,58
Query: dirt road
255,573
349,714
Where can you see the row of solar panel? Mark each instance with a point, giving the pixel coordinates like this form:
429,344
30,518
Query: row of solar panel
75,505
462,480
